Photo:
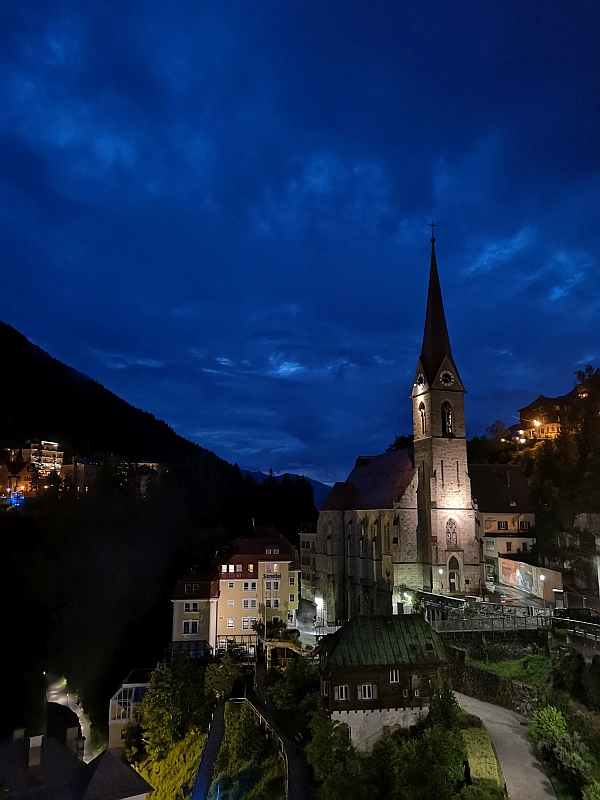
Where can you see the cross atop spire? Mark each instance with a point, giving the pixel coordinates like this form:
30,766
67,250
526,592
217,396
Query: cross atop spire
436,342
432,225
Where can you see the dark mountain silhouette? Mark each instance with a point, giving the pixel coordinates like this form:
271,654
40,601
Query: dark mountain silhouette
320,490
45,399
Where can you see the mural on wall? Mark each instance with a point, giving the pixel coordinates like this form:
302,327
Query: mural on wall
528,578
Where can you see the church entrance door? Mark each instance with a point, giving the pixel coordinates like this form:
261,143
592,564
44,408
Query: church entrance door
454,574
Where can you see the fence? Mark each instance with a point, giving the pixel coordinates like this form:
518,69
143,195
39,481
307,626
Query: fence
275,737
501,623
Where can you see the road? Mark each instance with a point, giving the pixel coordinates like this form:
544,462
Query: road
523,772
56,692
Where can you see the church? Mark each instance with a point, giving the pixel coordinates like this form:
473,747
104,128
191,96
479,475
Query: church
405,518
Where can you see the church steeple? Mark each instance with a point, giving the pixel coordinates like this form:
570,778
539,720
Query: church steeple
436,342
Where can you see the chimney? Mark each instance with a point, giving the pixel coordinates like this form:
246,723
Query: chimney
35,751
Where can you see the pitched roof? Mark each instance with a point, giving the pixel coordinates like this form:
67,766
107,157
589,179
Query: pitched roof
108,778
500,489
377,640
375,482
436,341
205,588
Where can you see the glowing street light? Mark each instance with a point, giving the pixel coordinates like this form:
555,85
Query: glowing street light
543,578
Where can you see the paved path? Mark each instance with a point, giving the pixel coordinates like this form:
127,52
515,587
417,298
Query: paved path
523,772
210,752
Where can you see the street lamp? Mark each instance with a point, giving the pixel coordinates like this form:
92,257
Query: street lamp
441,571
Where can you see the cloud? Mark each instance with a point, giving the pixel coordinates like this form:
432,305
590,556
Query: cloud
120,361
497,253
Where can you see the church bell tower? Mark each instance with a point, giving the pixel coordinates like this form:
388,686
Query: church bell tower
447,544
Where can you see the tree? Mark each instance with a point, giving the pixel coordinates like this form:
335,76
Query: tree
335,763
443,707
401,442
220,678
173,705
294,690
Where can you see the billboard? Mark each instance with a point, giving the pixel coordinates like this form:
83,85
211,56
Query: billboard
528,578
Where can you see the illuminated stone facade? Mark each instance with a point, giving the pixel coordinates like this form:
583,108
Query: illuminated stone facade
405,519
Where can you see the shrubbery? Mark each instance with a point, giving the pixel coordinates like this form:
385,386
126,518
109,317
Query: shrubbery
563,750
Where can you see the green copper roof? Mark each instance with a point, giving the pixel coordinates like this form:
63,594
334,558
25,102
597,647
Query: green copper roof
369,640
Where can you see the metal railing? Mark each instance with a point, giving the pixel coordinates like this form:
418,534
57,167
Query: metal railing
589,630
275,737
501,623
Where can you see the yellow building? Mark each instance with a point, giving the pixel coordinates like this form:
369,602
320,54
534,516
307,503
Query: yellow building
259,583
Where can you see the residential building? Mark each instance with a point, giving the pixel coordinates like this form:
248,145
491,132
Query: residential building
405,518
45,456
22,478
124,706
308,538
195,608
260,582
544,418
376,672
505,512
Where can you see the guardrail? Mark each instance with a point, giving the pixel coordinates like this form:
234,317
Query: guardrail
489,624
589,630
275,737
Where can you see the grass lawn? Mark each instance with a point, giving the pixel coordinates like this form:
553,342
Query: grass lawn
532,670
482,759
177,771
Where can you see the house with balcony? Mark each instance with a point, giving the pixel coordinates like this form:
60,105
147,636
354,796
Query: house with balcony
258,583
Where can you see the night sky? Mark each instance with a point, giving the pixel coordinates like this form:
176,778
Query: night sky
219,210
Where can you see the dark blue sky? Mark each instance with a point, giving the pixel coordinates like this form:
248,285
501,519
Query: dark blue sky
219,210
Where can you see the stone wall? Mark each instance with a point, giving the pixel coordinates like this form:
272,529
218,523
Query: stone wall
489,687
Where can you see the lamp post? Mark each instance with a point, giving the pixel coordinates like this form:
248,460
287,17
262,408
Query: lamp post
543,578
441,571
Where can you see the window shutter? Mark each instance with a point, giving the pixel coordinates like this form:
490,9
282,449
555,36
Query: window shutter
359,692
374,691
336,692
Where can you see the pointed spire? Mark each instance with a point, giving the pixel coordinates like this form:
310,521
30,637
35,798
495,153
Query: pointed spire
436,342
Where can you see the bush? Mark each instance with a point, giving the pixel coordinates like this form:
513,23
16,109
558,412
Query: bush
548,723
592,791
171,775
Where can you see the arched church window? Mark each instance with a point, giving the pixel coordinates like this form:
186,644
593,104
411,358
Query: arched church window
451,536
453,564
423,419
447,419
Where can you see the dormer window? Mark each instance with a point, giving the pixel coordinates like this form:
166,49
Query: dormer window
268,551
188,588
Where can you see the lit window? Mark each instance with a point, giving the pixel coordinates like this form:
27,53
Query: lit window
275,567
250,567
394,676
268,568
238,567
230,622
230,603
416,693
231,568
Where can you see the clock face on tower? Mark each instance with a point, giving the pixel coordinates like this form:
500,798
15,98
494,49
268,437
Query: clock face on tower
420,379
446,378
